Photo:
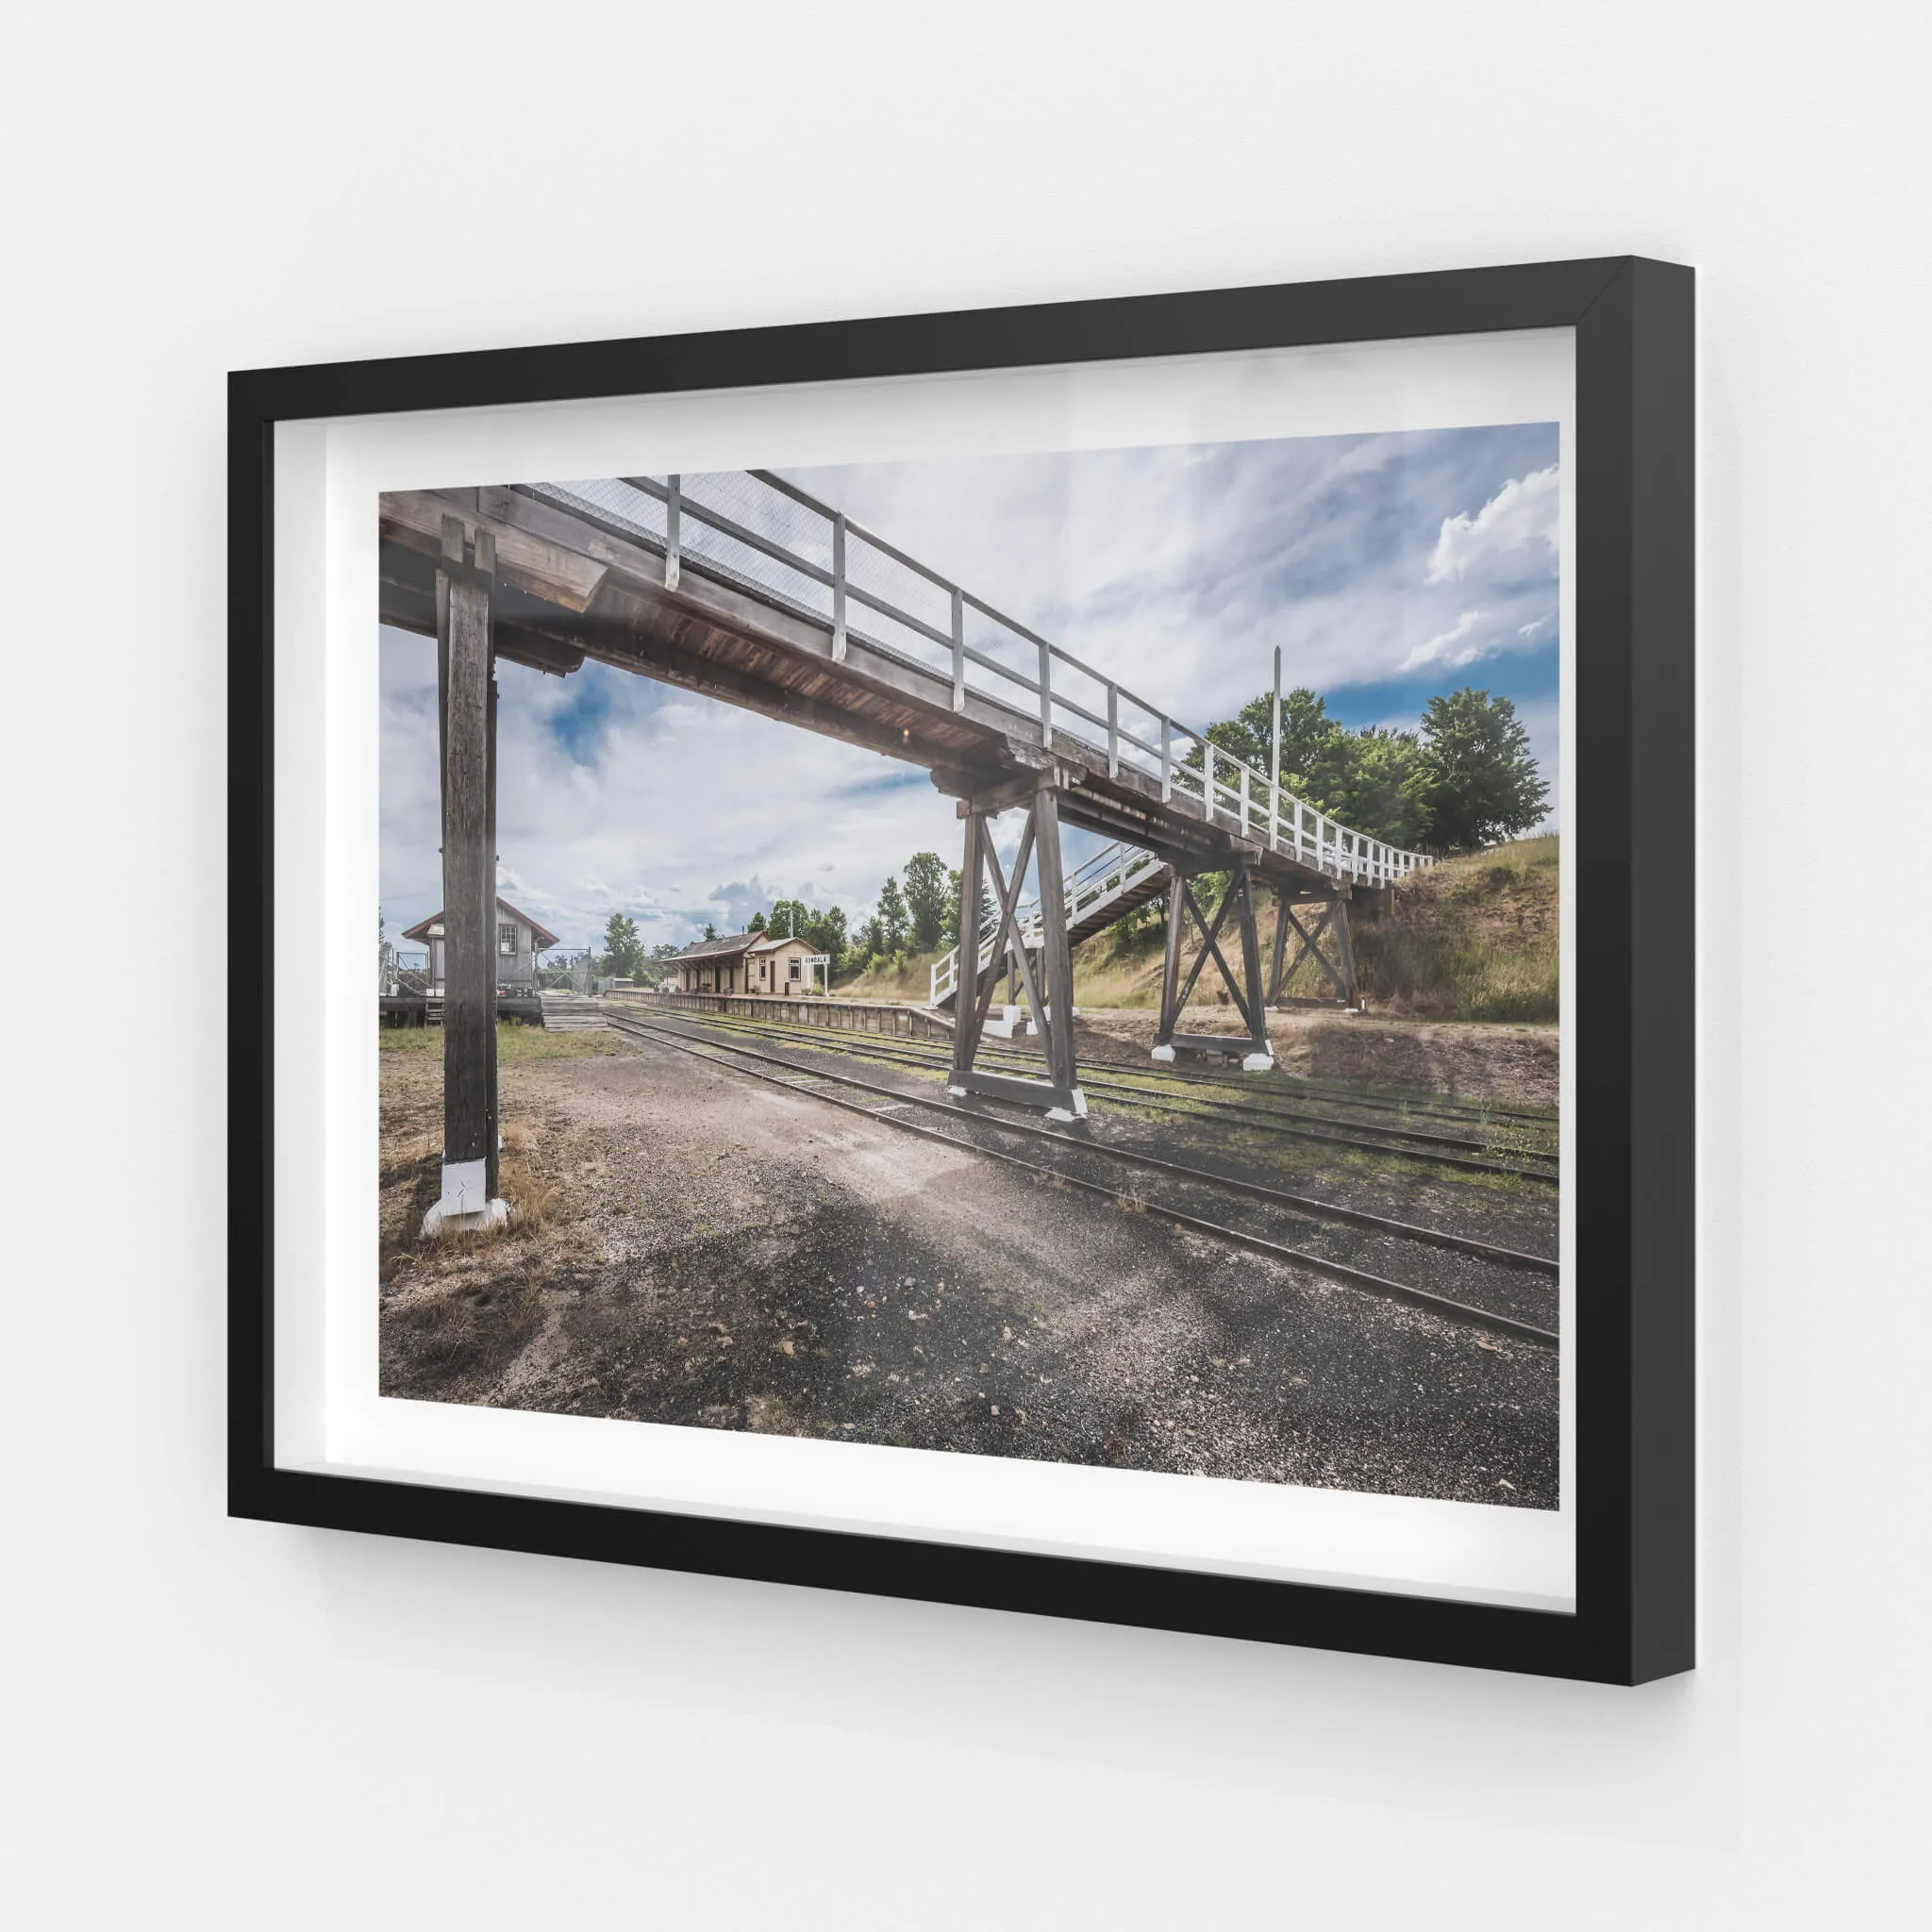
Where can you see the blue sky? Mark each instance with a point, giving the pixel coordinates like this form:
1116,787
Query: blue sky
1386,568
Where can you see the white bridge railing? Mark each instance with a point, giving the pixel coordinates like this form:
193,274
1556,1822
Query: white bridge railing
1108,876
753,528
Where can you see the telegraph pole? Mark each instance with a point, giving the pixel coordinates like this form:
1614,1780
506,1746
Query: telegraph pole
1274,739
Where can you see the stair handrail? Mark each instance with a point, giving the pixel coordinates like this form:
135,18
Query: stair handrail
830,591
1125,865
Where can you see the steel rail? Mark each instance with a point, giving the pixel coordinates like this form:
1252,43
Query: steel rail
923,1053
1098,1079
1440,1107
1118,1075
912,1053
1304,1205
1446,1307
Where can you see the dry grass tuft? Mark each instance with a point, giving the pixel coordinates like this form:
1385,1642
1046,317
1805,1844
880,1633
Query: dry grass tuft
1475,938
535,1199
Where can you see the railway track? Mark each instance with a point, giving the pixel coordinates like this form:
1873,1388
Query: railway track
1440,1106
1135,1089
817,1083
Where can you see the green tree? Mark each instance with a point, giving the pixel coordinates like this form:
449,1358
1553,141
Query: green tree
1314,748
1372,780
1483,783
623,951
655,969
989,910
790,919
825,933
926,898
757,923
710,931
1388,793
893,914
1306,732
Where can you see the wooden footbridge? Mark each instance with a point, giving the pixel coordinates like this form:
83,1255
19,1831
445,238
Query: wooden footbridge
743,588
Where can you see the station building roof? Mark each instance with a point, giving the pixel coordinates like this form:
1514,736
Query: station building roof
728,947
541,936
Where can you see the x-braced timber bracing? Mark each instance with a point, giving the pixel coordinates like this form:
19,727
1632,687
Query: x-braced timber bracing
1339,971
1244,988
1045,971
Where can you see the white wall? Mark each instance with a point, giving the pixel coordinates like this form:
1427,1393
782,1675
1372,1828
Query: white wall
231,1725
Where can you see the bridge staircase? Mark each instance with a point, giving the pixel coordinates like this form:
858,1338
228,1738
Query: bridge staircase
1113,883
743,587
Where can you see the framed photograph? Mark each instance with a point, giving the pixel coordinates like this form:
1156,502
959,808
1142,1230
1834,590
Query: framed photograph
1038,958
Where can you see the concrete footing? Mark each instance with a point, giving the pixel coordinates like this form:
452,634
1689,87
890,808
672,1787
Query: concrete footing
1163,1054
465,1207
1258,1063
490,1215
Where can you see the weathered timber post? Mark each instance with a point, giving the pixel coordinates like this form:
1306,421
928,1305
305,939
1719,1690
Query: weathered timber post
1260,1055
966,981
1057,960
1344,951
468,707
1275,965
1171,968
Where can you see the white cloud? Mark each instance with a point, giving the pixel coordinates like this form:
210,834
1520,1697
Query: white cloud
1176,571
1451,648
1521,516
684,810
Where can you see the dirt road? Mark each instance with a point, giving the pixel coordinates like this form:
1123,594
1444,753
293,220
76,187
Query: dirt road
723,1254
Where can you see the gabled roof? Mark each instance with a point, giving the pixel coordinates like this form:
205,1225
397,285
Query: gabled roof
769,943
540,934
728,947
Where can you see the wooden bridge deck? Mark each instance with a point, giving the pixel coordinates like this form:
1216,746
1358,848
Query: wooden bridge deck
726,597
571,585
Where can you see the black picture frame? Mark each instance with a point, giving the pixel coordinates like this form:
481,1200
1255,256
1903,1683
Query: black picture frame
1633,1177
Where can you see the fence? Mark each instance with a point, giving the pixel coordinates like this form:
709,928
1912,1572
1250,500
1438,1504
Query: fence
401,973
753,528
568,972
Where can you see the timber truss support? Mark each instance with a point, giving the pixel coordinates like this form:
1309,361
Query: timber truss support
1045,973
466,690
1243,990
1339,970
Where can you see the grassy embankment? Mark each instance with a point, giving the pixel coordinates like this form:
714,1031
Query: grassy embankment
1475,938
515,1042
1472,939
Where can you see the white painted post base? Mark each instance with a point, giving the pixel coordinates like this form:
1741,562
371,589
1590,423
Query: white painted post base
463,1206
1079,1109
958,1092
1163,1054
1011,1025
1258,1063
